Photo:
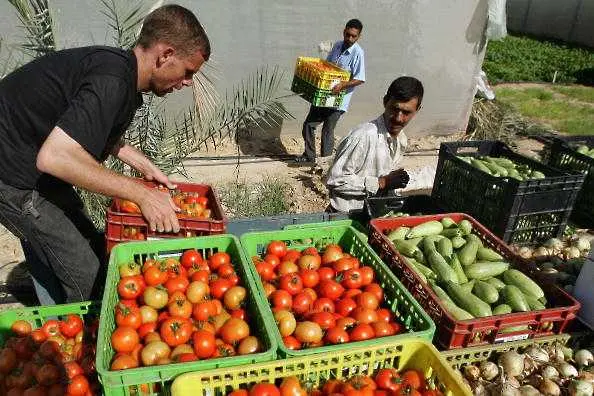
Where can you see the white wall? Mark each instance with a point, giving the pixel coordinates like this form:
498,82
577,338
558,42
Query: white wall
438,41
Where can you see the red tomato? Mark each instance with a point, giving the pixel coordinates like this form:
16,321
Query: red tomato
272,259
324,319
326,273
367,274
201,275
146,328
291,283
191,257
127,316
309,261
51,328
177,283
375,289
226,270
336,335
239,314
265,270
362,332
181,308
384,315
323,305
383,329
72,369
131,287
281,299
38,336
367,300
187,357
309,277
155,276
219,286
203,311
21,328
345,306
292,343
302,303
264,389
71,326
364,315
78,386
218,259
204,343
330,289
278,248
413,378
124,339
176,331
352,279
292,255
351,293
343,264
388,379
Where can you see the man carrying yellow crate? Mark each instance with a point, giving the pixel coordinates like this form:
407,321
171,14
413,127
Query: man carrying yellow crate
366,160
348,55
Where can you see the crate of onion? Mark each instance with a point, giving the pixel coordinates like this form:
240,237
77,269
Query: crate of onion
176,306
329,291
200,214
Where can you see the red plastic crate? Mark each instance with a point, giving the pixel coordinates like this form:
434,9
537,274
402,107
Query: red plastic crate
453,333
116,220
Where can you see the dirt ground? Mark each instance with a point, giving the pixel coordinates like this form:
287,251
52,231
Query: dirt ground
260,158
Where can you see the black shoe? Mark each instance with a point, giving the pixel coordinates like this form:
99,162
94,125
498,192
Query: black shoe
304,161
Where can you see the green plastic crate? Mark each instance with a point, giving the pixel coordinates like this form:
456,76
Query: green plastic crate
398,299
37,316
316,96
127,382
347,222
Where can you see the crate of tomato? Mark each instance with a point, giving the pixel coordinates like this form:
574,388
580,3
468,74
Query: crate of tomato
49,350
201,214
475,289
408,367
329,291
176,306
521,200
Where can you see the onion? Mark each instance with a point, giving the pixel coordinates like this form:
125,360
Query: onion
571,252
567,370
582,244
479,390
549,372
489,370
549,388
580,388
556,353
586,376
472,373
512,362
567,352
525,252
583,357
528,390
541,251
554,243
537,353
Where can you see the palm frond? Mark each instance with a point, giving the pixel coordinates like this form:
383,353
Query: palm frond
124,22
36,19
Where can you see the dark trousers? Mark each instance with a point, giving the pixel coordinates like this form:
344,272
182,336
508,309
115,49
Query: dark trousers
63,248
317,115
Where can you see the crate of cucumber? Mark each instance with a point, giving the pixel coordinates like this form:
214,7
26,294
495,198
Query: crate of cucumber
519,199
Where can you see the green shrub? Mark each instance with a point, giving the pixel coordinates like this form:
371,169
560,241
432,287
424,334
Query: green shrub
523,59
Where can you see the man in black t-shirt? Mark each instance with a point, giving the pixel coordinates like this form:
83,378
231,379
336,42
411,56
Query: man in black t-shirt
61,115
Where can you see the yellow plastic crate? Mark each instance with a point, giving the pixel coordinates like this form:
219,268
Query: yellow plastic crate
315,369
320,73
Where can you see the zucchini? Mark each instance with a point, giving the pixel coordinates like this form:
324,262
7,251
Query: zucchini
428,245
416,271
502,309
468,286
455,264
432,227
485,292
485,269
523,282
533,303
415,241
495,282
445,248
501,161
487,254
468,301
515,299
398,233
440,293
465,226
467,255
420,257
495,169
478,164
447,222
457,312
405,247
451,232
438,264
475,238
458,242
428,272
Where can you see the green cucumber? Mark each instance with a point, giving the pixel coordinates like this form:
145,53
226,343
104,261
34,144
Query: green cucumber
458,242
465,226
533,303
486,254
467,255
440,293
468,301
405,247
451,232
440,266
515,298
480,165
398,233
457,312
502,309
523,282
416,271
495,282
428,272
485,292
445,248
455,264
432,227
468,286
485,269
447,222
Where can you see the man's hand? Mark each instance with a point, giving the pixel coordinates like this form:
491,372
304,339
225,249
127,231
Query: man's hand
337,88
159,211
155,174
395,179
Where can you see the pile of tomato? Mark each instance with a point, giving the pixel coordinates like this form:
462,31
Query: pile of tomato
321,298
55,360
386,382
192,204
175,311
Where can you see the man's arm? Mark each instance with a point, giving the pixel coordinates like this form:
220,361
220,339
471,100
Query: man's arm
64,158
137,160
346,84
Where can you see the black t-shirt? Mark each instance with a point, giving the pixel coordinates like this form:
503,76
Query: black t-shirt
90,93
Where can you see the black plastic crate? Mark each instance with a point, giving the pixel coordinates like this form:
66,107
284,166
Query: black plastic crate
560,153
521,212
375,207
240,226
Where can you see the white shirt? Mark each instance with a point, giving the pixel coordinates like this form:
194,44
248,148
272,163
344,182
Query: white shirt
362,157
